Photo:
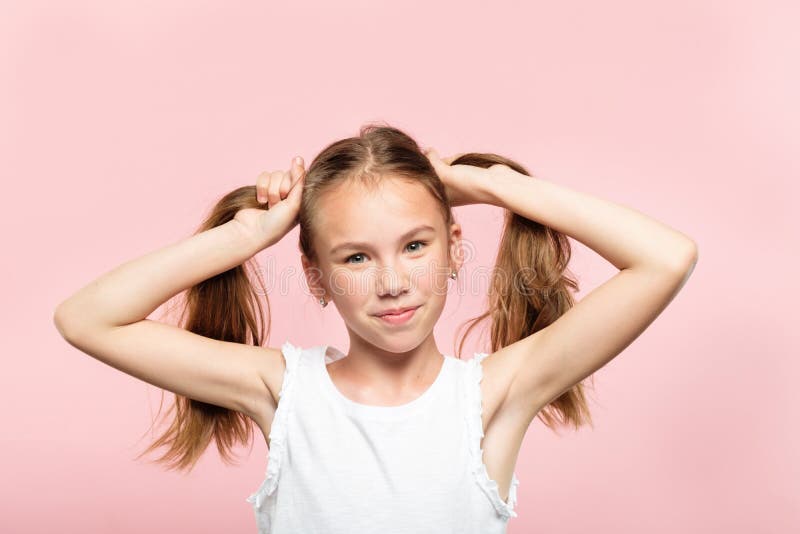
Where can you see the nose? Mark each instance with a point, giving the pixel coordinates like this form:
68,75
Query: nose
391,281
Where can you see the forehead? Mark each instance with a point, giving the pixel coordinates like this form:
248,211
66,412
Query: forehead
374,214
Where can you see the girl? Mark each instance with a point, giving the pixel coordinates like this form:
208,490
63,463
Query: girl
392,436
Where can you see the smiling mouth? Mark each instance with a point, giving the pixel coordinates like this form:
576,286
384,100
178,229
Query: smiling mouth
398,318
398,312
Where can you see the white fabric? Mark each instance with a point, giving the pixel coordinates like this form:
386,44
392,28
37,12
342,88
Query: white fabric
340,467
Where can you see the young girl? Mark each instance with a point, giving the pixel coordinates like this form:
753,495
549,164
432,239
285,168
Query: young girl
392,436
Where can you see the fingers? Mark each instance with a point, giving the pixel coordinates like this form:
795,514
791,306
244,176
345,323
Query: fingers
451,159
274,186
296,172
262,182
297,188
273,189
286,184
434,156
435,160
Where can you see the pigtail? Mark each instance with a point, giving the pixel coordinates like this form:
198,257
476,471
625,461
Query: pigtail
226,307
530,287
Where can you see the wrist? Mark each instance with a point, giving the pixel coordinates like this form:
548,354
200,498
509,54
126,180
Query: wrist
245,241
501,178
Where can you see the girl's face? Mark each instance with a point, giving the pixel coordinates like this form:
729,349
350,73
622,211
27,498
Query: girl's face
382,248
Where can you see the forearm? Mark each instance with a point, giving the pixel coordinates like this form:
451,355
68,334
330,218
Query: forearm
623,236
133,290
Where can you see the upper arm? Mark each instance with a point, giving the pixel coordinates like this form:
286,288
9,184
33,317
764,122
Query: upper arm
554,359
232,375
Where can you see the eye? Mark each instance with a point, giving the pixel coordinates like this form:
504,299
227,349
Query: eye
351,257
421,243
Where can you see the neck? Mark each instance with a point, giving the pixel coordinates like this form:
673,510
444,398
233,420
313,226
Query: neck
409,370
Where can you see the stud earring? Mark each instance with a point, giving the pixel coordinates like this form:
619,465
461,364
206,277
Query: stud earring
322,302
453,275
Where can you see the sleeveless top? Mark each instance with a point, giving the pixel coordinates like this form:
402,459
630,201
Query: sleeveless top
336,466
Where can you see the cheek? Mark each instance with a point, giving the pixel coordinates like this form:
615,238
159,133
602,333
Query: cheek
342,284
351,286
430,278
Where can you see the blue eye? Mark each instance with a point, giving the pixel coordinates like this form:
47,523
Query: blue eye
422,243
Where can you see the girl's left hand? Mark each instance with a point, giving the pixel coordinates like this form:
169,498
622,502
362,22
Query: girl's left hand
465,184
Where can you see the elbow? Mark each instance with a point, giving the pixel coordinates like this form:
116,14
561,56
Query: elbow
66,321
75,323
683,266
691,255
60,320
685,258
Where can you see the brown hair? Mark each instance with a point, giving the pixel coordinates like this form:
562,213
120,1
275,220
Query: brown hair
227,306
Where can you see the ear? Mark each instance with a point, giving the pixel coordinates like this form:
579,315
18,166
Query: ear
456,246
313,276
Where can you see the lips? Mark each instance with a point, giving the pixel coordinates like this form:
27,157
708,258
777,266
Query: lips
395,311
403,317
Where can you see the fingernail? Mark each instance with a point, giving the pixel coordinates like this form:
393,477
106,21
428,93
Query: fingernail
298,160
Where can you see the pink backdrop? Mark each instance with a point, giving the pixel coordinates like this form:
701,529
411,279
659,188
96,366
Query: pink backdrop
123,122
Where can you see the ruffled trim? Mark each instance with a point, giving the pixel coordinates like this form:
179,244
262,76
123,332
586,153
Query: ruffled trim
277,433
474,415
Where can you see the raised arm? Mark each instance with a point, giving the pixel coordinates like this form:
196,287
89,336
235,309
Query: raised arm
654,261
107,319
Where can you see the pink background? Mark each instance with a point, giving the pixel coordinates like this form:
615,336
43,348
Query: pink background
123,122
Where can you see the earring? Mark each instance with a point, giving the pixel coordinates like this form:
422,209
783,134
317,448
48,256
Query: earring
322,302
453,275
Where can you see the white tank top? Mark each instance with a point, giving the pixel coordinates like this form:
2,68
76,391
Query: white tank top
336,466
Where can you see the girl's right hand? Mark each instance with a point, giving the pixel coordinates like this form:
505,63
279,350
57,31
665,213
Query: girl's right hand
280,192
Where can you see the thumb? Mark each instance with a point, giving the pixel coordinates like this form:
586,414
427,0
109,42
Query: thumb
296,192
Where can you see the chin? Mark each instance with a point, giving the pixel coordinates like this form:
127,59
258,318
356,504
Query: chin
398,341
397,346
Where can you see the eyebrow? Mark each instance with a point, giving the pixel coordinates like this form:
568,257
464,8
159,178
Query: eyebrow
362,245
